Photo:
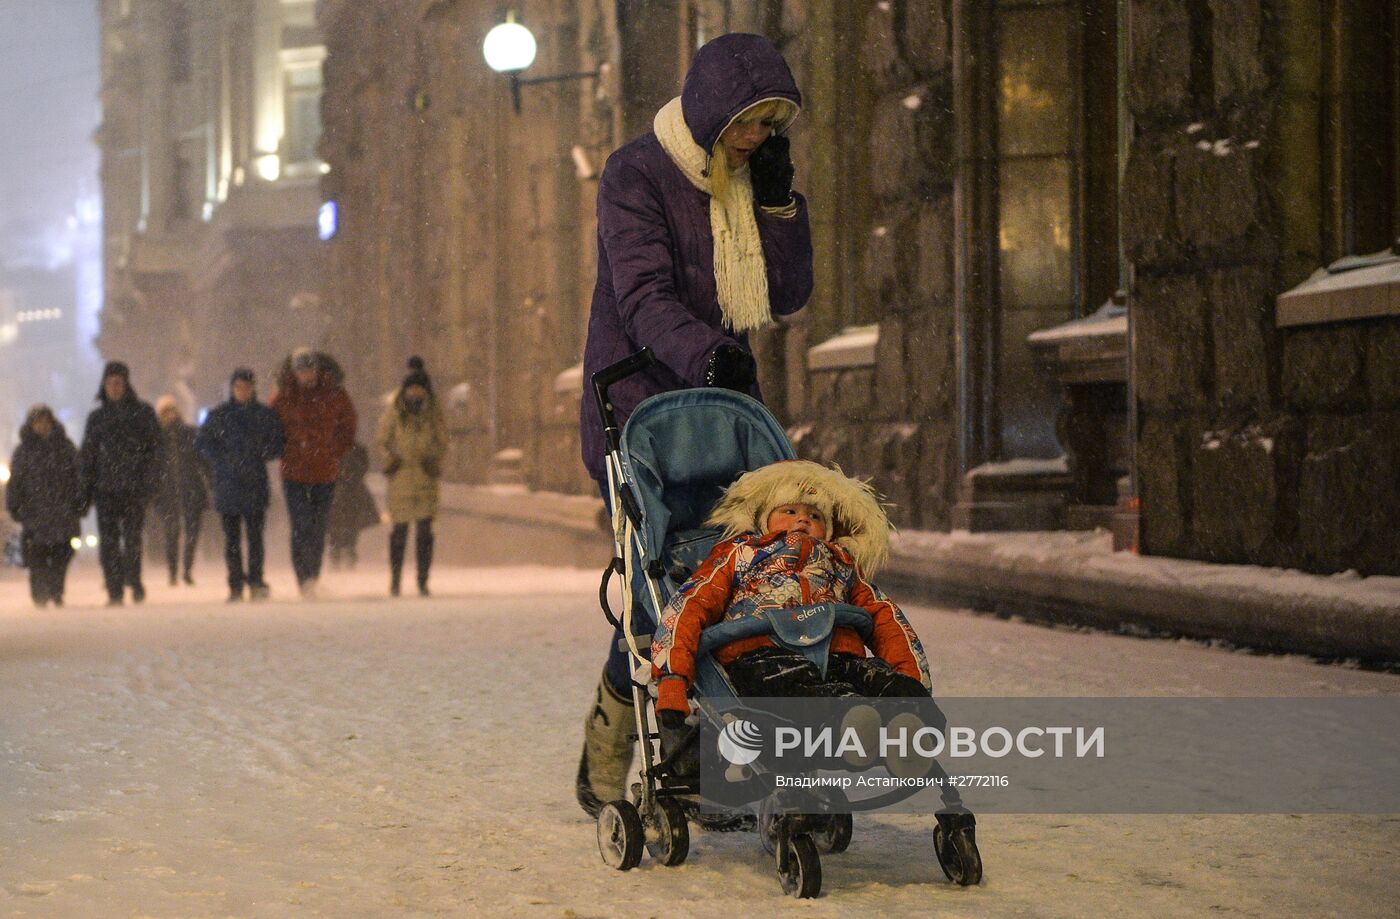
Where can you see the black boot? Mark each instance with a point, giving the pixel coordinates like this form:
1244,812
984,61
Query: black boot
423,549
398,545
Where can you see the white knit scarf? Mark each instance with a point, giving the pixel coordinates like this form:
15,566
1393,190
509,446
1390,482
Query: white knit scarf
741,274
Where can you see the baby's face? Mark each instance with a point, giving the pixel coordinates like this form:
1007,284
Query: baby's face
796,518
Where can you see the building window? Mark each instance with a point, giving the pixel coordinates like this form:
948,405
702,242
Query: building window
303,108
187,192
1354,231
1056,190
180,57
1361,55
298,14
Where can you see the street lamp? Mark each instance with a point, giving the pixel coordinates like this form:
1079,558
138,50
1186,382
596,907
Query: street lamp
510,48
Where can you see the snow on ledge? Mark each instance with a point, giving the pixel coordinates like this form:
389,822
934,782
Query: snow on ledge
570,381
853,346
1022,466
1107,321
1372,288
1089,556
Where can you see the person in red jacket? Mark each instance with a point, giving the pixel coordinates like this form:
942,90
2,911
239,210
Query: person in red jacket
318,423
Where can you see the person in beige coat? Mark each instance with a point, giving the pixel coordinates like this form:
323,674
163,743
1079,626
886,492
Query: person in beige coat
412,439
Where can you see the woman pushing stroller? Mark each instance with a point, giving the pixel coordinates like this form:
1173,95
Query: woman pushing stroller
701,239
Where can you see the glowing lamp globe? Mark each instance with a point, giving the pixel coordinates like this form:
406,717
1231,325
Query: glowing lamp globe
509,48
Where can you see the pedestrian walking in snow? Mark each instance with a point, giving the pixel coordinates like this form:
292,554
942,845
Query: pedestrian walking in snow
182,494
412,440
44,497
701,240
118,464
352,508
238,439
318,426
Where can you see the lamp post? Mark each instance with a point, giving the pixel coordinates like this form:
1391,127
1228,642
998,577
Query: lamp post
509,49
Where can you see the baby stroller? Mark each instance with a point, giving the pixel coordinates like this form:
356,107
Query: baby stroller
666,470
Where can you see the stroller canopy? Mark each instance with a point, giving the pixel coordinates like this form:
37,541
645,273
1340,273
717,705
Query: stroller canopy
680,450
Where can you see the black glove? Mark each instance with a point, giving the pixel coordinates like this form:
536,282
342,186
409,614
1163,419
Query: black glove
770,172
432,466
731,367
674,732
393,466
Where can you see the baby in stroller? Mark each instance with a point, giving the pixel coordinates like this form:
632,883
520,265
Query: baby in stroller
795,533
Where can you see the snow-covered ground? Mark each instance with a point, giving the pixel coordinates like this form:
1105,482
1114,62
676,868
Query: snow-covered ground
360,757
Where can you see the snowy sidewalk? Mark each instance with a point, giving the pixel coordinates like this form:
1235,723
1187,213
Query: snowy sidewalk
362,757
1076,578
1065,577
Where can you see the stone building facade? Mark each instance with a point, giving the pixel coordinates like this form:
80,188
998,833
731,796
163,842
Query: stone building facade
210,184
1265,149
1040,227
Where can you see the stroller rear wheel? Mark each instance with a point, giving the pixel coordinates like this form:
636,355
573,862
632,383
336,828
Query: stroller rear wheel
956,848
620,835
668,833
801,877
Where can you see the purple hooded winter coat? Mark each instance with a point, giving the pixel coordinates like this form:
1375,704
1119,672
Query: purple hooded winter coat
656,279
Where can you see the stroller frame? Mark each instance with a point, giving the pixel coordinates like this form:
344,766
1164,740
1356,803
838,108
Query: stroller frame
657,820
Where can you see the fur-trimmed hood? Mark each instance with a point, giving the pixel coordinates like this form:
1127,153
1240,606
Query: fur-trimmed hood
27,433
857,520
329,370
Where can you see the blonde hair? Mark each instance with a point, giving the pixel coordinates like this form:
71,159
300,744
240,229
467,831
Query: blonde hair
781,111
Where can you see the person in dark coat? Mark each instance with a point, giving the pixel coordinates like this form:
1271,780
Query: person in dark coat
119,463
701,240
238,439
181,493
318,422
352,509
45,498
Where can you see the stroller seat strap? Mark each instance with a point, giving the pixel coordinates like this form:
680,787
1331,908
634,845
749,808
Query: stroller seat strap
804,629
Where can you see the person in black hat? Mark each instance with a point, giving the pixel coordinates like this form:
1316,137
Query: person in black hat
238,439
412,440
118,466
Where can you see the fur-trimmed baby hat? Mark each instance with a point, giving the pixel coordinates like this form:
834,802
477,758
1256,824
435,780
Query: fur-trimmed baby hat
857,521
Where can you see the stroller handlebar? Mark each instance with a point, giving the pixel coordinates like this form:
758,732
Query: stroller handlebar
613,373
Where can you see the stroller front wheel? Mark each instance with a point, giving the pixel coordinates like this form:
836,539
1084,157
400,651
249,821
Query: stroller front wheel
801,877
956,848
620,835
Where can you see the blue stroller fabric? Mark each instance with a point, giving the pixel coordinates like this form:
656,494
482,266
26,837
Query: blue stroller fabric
804,629
680,450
